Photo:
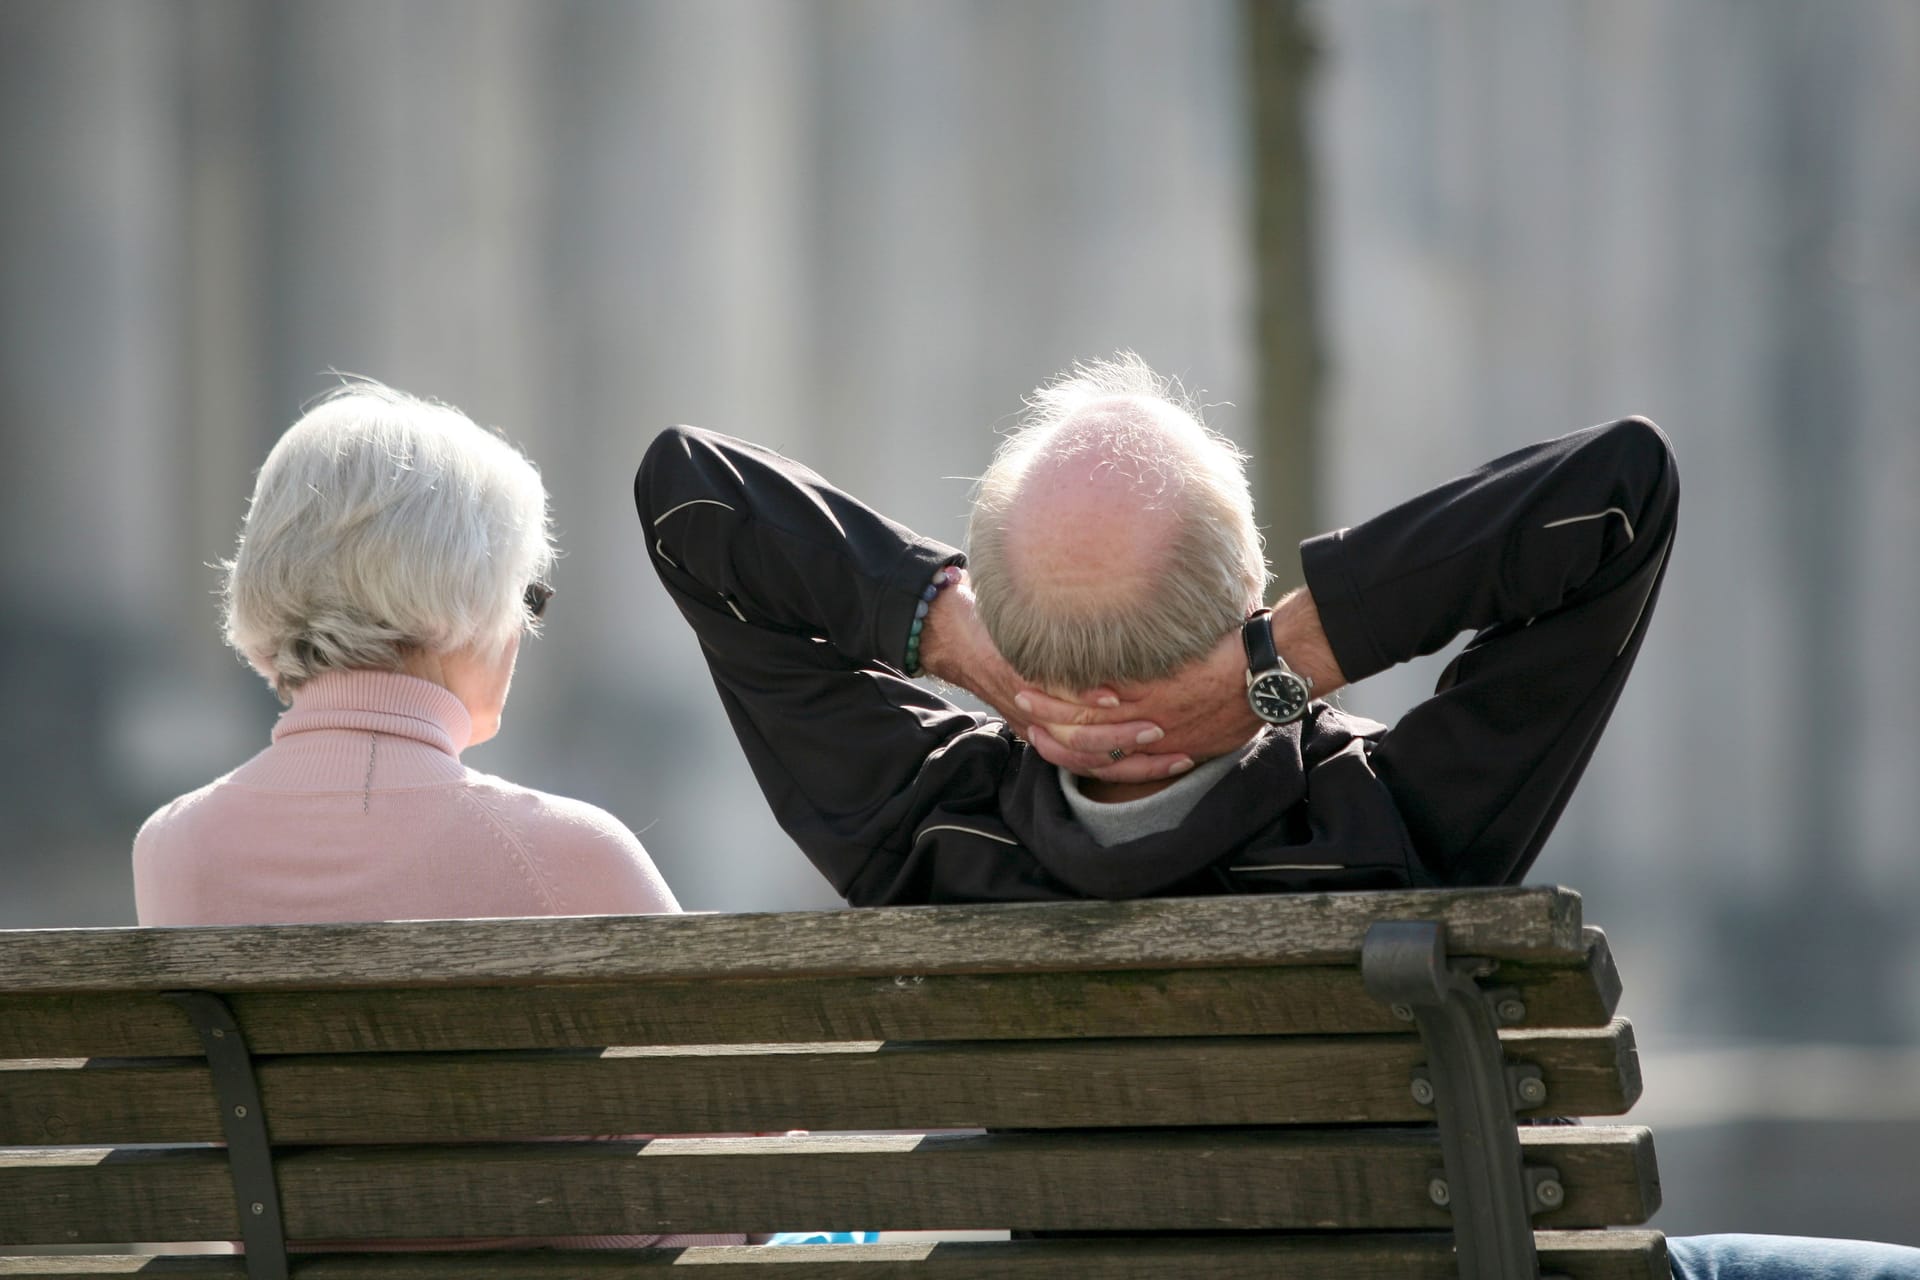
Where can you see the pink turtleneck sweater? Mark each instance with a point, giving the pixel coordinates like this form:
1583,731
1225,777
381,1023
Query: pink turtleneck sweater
361,810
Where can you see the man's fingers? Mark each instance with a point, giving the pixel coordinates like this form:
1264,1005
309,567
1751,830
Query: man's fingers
1143,768
1103,740
1048,709
1053,751
1131,766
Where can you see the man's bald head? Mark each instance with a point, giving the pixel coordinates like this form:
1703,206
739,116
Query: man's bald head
1112,539
1089,523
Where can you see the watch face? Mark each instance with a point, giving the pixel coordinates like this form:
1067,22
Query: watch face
1278,697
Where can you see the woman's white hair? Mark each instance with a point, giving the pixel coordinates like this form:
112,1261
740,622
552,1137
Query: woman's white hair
1145,427
382,524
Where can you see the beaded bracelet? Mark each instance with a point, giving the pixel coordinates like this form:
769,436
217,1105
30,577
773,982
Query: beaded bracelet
943,577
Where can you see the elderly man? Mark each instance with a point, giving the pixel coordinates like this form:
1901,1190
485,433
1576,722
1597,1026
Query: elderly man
1159,732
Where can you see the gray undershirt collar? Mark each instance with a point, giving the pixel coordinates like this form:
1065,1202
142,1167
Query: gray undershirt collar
1124,820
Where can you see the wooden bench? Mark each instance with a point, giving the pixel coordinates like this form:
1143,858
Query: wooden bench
1259,1075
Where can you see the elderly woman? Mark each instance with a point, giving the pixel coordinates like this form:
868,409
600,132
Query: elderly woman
393,555
392,558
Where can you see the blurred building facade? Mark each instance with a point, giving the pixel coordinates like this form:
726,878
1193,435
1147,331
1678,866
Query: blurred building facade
1543,215
859,231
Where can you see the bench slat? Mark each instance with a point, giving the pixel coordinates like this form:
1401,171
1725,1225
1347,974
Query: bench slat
1198,1002
1610,1255
1034,937
1250,1179
1004,1084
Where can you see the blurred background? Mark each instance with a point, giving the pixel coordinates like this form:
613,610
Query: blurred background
1382,239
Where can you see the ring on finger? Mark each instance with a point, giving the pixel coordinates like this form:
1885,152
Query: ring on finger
1116,755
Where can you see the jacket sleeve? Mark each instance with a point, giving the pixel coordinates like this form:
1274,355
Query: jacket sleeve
1553,556
802,599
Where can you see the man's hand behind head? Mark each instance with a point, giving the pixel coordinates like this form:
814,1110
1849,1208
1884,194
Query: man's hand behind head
1202,707
956,648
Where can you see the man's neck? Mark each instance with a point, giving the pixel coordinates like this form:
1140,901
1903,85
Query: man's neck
1117,792
1136,812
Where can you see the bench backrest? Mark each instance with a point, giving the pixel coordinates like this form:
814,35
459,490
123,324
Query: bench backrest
1217,1067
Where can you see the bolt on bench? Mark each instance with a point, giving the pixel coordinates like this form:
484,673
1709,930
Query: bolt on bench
1316,1086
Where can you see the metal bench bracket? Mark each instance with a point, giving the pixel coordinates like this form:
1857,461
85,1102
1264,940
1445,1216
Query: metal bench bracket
244,1121
1487,1188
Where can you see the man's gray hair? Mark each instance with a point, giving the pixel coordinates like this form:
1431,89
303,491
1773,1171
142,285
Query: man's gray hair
1120,412
382,524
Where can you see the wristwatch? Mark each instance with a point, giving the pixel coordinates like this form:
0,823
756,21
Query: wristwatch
1277,693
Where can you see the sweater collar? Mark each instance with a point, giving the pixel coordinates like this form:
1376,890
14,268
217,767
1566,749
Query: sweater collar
1237,808
1116,822
379,702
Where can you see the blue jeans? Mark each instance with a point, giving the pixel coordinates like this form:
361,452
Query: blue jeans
1789,1258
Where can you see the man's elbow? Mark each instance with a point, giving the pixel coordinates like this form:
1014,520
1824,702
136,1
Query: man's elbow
1646,459
1642,442
670,450
667,469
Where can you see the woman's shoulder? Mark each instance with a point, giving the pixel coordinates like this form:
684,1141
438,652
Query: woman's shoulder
573,840
560,814
171,850
180,813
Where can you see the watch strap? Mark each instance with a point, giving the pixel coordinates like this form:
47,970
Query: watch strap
1256,636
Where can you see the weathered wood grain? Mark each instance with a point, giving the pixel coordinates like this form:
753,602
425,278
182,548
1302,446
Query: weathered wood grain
1050,1024
1610,1255
1206,1180
95,1195
1195,1002
1019,937
1609,1087
1002,1085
